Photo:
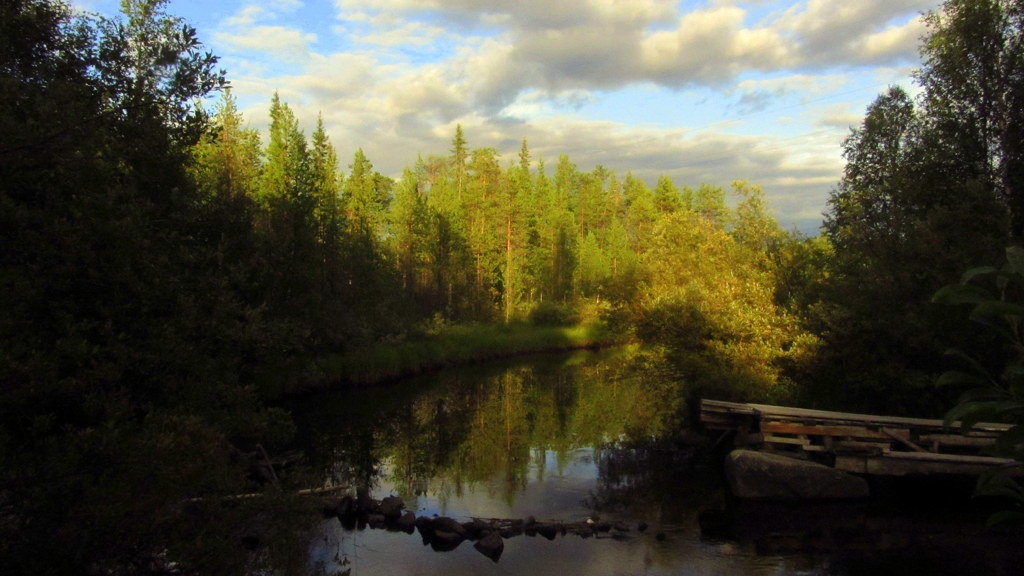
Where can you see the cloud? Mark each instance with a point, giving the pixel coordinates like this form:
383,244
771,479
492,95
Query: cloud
710,47
408,34
409,70
284,42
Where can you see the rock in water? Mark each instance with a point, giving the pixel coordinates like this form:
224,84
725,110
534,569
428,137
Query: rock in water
491,546
444,541
476,528
391,507
445,524
549,531
763,476
406,523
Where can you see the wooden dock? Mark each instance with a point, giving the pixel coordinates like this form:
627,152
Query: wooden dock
860,443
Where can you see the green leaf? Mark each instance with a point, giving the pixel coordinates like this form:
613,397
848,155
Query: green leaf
975,272
996,308
970,413
956,378
986,394
1004,517
963,357
962,294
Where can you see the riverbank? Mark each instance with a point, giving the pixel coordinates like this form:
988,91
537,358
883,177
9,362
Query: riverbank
455,346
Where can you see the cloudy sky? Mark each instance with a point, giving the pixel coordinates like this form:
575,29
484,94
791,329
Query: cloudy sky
703,91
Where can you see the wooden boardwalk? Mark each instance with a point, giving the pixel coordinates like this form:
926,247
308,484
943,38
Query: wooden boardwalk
860,443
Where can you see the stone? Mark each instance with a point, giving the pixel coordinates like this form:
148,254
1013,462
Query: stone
549,531
511,531
406,523
491,545
375,520
391,507
445,541
476,528
762,476
445,524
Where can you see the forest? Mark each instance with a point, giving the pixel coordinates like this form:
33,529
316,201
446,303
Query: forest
168,272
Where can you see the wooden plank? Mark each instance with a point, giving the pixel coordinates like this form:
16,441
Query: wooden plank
818,430
726,407
785,440
967,459
918,463
899,436
957,441
805,413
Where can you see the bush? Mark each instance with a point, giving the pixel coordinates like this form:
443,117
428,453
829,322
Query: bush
554,314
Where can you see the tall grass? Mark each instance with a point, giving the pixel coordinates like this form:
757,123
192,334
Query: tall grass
455,345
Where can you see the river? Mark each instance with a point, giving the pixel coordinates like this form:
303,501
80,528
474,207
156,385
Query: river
601,436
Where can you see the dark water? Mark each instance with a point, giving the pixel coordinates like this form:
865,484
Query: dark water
600,435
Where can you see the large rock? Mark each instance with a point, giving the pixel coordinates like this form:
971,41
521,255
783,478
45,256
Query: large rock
764,476
491,546
406,523
391,507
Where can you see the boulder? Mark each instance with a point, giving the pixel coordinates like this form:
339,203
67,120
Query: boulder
406,523
476,528
764,476
391,507
549,531
444,541
375,520
445,524
511,531
491,546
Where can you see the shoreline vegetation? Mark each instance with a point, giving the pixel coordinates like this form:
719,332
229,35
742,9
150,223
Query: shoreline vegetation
173,271
454,345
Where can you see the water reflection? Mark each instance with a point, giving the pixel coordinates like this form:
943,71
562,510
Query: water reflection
448,436
566,438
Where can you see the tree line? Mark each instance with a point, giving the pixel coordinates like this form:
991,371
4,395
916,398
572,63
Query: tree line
168,273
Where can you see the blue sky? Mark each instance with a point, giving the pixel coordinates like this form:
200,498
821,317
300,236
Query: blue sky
703,91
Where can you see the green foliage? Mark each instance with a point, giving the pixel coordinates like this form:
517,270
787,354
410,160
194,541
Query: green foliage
712,307
921,198
126,346
452,345
553,314
993,390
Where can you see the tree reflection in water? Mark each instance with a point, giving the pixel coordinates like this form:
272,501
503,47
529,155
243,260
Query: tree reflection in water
456,431
564,438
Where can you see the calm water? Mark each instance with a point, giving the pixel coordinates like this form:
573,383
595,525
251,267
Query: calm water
566,438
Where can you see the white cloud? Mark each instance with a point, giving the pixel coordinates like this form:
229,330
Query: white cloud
408,34
509,70
284,42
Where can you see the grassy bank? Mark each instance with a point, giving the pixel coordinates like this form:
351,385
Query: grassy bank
456,345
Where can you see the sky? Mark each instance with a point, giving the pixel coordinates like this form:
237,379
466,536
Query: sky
701,91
